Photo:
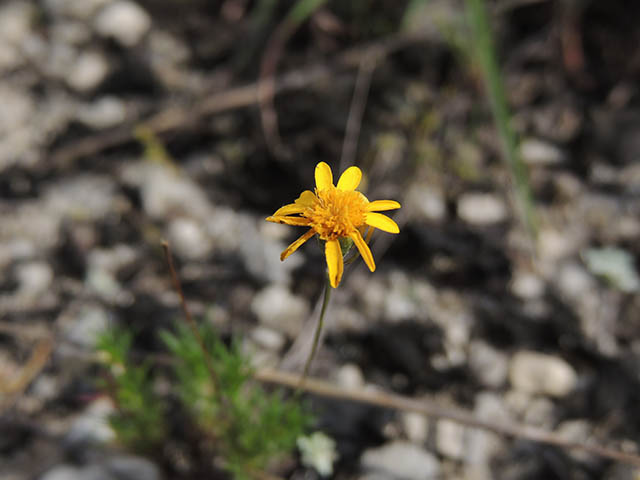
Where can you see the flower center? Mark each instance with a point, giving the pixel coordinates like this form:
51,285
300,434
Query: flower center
336,213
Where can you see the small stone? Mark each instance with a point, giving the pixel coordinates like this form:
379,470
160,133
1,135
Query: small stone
318,452
553,244
88,71
189,240
539,412
83,10
538,373
489,366
124,21
268,338
127,467
527,286
540,153
415,426
277,307
87,325
481,209
34,278
69,472
574,281
92,426
103,113
426,202
401,460
450,439
350,377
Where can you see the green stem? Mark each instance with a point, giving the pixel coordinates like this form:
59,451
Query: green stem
316,336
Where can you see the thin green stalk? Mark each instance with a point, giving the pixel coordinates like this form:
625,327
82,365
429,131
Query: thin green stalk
316,336
483,40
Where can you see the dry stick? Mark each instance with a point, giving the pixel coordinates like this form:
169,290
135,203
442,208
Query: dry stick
187,315
356,111
397,402
238,97
11,391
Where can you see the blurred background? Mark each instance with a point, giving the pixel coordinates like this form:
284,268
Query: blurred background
511,290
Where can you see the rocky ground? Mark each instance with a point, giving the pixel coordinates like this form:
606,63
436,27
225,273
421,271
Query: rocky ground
465,308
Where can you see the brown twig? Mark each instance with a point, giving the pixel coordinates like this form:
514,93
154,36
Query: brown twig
397,402
12,390
356,111
233,98
187,316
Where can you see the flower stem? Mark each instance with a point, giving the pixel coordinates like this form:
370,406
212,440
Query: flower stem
316,335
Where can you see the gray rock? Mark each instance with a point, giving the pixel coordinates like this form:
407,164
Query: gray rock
83,10
268,338
415,426
538,373
124,21
350,377
540,153
489,365
92,425
34,278
527,285
451,439
103,113
88,71
166,193
131,468
15,27
426,202
481,208
69,472
278,308
84,196
401,460
189,240
84,327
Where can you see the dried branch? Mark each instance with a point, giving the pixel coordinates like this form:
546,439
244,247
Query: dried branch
397,402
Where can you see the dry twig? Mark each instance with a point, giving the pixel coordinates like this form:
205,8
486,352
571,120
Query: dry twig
397,402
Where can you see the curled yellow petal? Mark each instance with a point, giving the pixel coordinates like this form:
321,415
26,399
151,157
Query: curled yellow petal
290,209
334,261
382,222
350,179
364,250
382,205
306,199
324,177
295,245
295,221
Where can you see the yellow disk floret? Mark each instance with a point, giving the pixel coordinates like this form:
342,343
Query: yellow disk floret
336,213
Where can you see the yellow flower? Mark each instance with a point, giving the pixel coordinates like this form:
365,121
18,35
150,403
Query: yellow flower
335,212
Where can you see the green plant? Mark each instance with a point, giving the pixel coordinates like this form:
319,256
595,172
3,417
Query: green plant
251,426
139,419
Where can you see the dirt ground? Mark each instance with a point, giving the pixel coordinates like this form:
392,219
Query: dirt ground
123,123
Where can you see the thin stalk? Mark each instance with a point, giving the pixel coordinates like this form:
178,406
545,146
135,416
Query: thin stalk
187,316
316,335
486,54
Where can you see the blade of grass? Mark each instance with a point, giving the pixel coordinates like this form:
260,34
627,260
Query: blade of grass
487,58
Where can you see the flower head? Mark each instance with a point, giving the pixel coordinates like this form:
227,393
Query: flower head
334,213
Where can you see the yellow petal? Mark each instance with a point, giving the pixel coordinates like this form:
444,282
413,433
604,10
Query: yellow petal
295,245
363,248
381,221
306,199
289,210
324,177
350,179
334,261
295,221
382,205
